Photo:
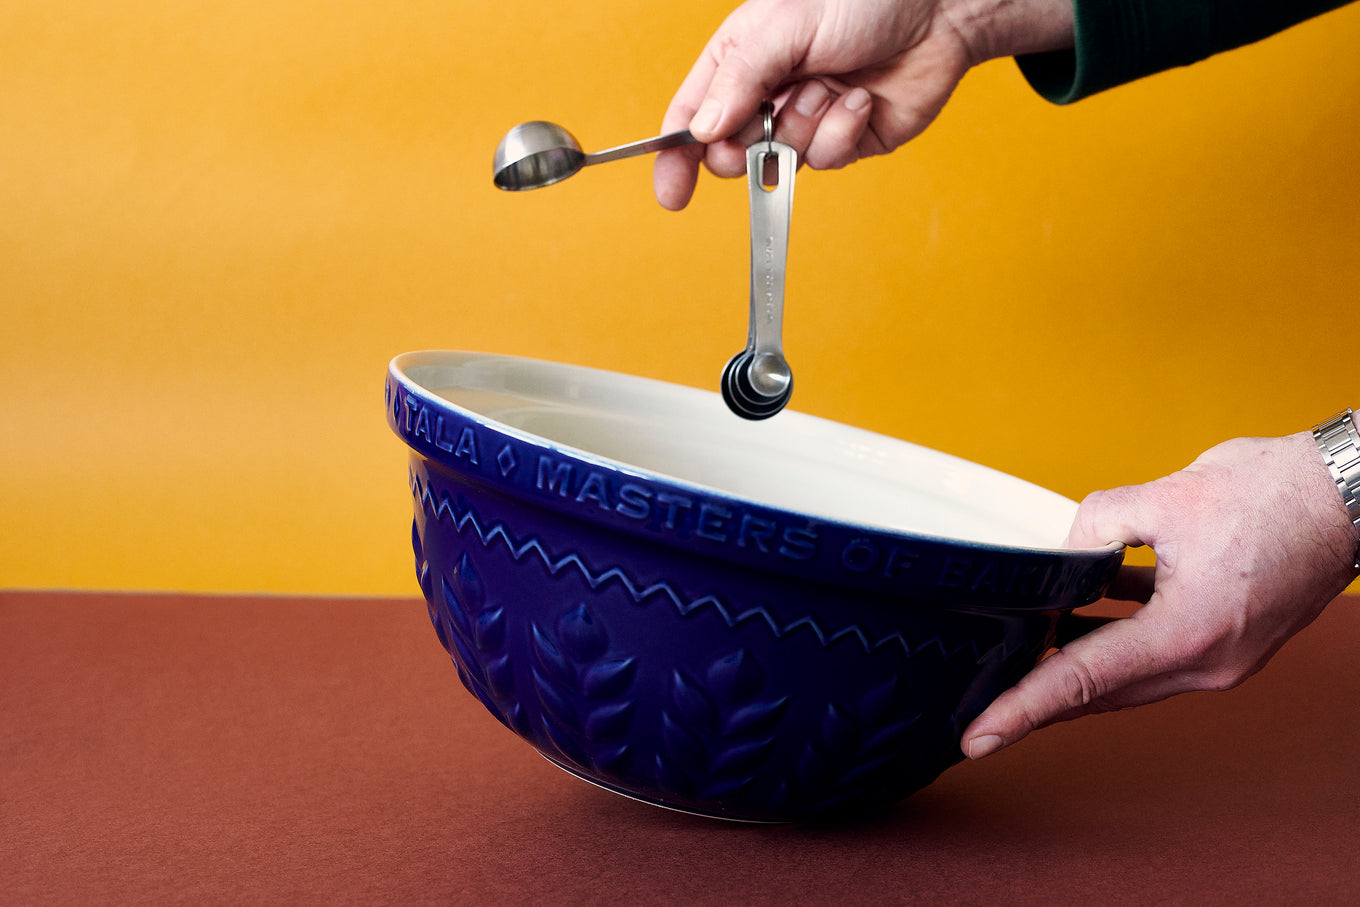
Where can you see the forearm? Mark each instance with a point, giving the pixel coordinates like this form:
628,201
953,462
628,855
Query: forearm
1010,28
1118,41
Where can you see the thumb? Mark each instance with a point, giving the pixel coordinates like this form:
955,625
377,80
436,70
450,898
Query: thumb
1123,664
1083,675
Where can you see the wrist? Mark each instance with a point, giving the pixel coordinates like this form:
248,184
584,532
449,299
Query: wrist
1007,28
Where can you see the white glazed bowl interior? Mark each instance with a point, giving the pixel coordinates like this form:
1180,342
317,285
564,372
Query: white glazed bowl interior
793,461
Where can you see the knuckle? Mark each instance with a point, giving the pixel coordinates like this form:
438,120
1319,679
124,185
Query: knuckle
1097,506
1081,685
1074,686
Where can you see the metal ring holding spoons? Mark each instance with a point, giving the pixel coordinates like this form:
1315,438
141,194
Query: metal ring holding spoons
757,382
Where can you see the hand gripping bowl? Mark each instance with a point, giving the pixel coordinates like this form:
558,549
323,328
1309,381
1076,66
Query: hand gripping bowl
764,621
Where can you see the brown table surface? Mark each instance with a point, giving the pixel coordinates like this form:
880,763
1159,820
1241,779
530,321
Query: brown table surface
225,749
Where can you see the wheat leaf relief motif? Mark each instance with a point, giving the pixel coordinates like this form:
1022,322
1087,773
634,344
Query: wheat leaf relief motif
857,747
587,711
473,632
609,679
719,731
609,722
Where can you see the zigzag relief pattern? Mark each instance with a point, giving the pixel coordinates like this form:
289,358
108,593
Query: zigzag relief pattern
465,520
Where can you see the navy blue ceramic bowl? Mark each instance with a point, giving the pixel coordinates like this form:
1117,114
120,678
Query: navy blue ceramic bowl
765,621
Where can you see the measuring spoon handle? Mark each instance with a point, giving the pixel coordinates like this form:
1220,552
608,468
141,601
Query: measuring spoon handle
771,211
646,146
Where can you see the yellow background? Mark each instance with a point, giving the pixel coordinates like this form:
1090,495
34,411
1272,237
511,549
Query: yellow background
219,221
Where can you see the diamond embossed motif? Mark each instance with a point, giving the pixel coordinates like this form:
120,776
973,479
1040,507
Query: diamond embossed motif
506,461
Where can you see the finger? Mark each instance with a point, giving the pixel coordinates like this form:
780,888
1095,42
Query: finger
1118,515
799,115
836,143
1127,515
1109,516
1118,666
727,158
675,173
690,94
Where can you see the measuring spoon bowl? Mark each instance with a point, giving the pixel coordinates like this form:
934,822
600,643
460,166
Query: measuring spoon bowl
539,153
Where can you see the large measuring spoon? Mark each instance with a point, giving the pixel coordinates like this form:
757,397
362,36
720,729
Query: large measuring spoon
757,382
539,154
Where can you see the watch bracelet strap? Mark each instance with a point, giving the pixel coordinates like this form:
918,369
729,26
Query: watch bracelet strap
1339,443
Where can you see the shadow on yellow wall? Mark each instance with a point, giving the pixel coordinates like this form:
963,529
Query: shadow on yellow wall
219,221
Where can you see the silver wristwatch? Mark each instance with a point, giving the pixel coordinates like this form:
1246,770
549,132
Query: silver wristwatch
1340,445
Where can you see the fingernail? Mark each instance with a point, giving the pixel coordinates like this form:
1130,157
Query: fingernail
705,121
811,98
979,747
857,99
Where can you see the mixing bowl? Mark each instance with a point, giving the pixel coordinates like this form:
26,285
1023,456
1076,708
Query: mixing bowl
765,621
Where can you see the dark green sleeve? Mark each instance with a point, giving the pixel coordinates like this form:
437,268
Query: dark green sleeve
1118,41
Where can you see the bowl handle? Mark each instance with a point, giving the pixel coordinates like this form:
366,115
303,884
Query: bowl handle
1073,626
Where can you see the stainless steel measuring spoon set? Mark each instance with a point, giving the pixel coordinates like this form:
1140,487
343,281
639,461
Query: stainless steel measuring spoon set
757,382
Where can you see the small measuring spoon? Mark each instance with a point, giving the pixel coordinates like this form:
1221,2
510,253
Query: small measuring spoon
538,153
757,382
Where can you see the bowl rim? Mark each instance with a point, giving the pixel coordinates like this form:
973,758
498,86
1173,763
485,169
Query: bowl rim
960,572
